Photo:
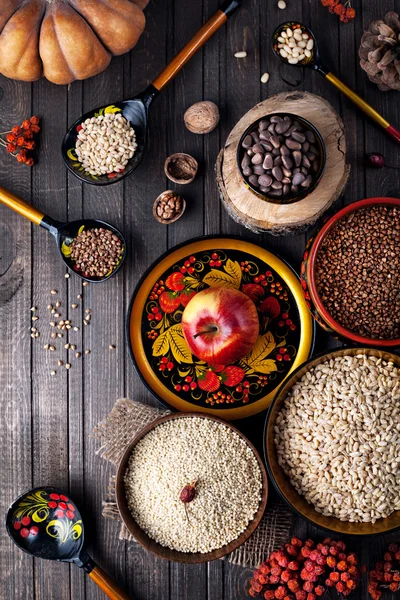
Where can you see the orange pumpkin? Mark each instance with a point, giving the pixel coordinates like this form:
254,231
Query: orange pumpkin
66,40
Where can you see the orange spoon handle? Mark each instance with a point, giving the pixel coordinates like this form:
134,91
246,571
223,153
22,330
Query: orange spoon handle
20,207
105,583
201,37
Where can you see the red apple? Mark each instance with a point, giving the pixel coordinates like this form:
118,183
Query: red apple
220,325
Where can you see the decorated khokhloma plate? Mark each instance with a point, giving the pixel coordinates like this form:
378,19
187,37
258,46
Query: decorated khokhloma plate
160,352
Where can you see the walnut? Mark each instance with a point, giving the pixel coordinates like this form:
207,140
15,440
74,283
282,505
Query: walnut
181,168
202,117
168,207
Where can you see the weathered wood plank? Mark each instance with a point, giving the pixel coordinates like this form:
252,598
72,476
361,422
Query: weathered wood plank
15,362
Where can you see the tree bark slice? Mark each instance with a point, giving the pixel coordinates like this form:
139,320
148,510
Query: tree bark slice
280,219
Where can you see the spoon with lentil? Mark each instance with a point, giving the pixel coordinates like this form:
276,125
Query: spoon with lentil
295,44
107,143
92,249
46,523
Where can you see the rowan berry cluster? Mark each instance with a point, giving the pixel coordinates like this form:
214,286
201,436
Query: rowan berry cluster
386,575
344,11
305,570
19,141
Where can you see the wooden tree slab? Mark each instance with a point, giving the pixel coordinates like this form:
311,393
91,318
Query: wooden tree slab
279,219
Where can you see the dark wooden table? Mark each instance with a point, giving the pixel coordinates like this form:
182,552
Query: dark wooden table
46,422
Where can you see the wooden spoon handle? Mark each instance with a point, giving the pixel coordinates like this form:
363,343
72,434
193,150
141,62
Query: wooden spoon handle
20,207
364,106
201,37
105,583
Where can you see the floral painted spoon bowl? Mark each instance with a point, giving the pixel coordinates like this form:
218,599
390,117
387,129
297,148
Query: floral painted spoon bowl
46,523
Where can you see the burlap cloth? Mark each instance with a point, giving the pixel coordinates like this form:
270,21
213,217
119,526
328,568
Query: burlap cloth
126,419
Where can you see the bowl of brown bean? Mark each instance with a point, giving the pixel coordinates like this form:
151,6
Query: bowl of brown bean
351,273
281,158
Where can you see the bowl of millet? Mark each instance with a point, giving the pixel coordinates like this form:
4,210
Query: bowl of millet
191,488
351,273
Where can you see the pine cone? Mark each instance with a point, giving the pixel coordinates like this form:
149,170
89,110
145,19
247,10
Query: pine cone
380,52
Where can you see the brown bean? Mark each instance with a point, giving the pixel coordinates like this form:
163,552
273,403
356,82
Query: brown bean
263,125
268,161
277,161
267,146
257,148
285,150
253,179
265,180
257,159
299,137
255,137
286,180
247,171
247,142
275,152
271,129
311,137
275,193
298,178
297,156
265,136
305,162
277,185
287,161
275,141
250,152
258,169
292,144
286,189
306,146
282,127
315,166
277,173
287,172
265,190
294,189
276,119
245,161
311,156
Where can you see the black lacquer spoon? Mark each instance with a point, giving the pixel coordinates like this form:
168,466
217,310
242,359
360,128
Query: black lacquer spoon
46,523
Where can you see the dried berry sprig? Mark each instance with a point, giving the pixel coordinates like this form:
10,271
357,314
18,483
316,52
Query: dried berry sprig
19,140
344,11
386,575
305,570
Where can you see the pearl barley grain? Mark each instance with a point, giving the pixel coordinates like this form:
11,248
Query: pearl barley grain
228,489
337,438
282,4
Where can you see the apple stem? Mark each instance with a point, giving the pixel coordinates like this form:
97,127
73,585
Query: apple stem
211,329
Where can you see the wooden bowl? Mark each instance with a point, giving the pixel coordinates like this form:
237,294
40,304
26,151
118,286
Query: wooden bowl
279,477
317,308
301,194
163,551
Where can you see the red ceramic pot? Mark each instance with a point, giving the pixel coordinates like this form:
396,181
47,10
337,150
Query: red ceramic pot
307,276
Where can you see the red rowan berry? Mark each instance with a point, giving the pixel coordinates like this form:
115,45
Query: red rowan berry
320,590
340,587
342,565
308,586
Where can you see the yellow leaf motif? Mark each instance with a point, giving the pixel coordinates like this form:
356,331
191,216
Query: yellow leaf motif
264,366
180,349
161,344
112,109
263,346
230,277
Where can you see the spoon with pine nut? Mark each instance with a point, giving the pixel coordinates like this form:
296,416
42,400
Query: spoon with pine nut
295,44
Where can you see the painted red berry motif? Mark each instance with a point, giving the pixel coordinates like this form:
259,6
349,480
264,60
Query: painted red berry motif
175,282
169,302
271,307
186,296
254,291
208,381
232,375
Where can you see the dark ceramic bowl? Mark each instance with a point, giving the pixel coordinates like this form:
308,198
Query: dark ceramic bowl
280,479
163,551
289,199
308,279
